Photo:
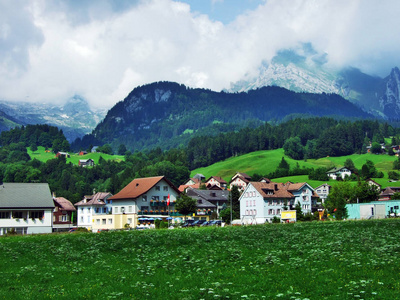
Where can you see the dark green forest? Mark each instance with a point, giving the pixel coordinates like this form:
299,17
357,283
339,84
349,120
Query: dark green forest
301,139
169,115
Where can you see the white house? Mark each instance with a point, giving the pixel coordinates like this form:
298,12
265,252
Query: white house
93,206
261,201
26,208
323,191
338,172
241,180
153,197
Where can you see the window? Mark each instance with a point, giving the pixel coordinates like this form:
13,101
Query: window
81,209
81,219
88,209
156,198
97,221
157,187
35,214
247,203
17,215
130,209
254,202
103,222
88,219
97,210
165,188
116,210
129,221
304,198
165,198
396,207
63,218
144,208
104,209
278,211
4,215
109,221
144,198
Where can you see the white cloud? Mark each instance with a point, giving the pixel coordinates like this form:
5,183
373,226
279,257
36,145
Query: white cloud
51,50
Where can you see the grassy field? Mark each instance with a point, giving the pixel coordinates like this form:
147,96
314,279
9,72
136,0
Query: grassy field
319,260
43,156
264,162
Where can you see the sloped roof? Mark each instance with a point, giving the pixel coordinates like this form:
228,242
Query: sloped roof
334,170
387,192
64,204
209,195
217,178
183,187
140,186
25,195
96,199
280,190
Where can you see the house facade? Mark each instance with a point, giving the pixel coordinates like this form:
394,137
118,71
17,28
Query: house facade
63,214
262,201
323,191
26,208
144,197
241,180
215,199
86,162
373,210
93,208
338,172
216,181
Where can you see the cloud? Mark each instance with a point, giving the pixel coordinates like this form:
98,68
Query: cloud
101,50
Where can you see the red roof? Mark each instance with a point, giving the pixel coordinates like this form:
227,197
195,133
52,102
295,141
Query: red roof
96,199
140,186
64,203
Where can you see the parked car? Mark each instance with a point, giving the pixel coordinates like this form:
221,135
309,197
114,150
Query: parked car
187,223
197,223
205,223
215,223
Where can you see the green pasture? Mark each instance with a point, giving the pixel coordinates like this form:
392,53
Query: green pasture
318,260
74,158
265,162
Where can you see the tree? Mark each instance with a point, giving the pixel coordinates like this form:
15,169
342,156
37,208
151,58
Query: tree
186,205
337,199
293,148
376,148
122,149
225,215
234,195
349,164
368,170
33,147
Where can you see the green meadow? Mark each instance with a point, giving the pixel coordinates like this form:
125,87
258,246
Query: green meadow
265,162
74,158
315,260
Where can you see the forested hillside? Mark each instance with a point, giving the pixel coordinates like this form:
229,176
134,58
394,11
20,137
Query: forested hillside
167,115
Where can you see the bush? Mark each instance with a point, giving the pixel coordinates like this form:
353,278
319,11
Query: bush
275,219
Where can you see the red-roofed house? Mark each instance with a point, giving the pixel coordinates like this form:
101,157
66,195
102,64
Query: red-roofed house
215,180
262,201
63,214
144,197
241,180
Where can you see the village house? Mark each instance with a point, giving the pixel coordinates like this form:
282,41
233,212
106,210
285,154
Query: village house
241,180
338,172
153,197
323,191
387,193
261,201
192,182
65,154
217,199
94,209
216,181
86,162
26,208
63,214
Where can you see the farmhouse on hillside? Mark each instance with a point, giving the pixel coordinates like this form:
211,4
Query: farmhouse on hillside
26,208
338,172
216,181
86,162
262,201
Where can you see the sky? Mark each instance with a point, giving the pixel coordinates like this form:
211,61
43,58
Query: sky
102,49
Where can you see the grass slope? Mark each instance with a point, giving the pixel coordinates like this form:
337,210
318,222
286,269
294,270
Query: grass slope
319,260
43,156
264,162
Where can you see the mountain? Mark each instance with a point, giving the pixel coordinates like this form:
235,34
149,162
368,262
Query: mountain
305,70
168,114
75,117
390,100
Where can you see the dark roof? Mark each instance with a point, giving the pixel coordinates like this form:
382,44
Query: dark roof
25,195
209,195
96,199
140,186
64,203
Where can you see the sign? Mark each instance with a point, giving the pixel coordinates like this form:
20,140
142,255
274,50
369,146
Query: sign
288,215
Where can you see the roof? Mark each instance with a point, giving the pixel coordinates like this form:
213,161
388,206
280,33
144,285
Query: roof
217,178
334,170
323,185
64,203
25,195
387,192
183,187
280,190
96,199
209,195
140,186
